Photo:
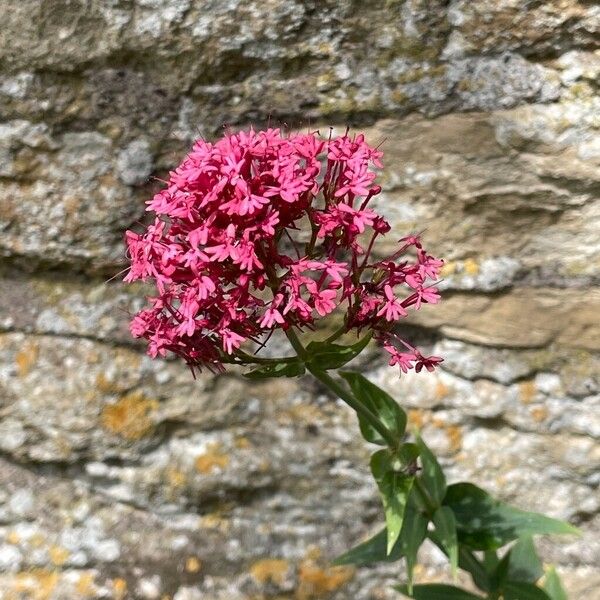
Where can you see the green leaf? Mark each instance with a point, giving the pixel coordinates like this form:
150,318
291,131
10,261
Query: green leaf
490,560
379,403
524,563
470,563
523,591
467,561
445,526
553,585
325,355
500,573
371,551
414,530
374,550
485,523
437,591
408,453
433,477
394,488
282,369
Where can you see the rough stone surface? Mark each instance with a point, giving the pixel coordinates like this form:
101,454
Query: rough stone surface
121,477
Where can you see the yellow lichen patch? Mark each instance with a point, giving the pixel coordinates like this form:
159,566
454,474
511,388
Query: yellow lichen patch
242,443
416,418
85,584
306,413
270,570
215,521
58,555
418,571
92,356
212,459
127,358
453,433
37,584
441,390
414,75
449,268
119,588
175,477
316,582
131,416
527,391
12,537
37,540
455,437
192,564
313,553
539,413
264,465
470,267
26,357
105,385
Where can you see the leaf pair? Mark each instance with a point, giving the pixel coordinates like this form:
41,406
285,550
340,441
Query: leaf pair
322,355
325,355
280,369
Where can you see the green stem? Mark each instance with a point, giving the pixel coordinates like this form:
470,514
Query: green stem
296,344
342,393
424,495
336,334
313,239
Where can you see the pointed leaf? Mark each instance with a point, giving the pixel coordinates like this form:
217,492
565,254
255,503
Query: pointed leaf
445,526
394,488
414,530
282,369
524,563
374,550
553,585
326,355
485,523
437,591
433,477
523,591
379,403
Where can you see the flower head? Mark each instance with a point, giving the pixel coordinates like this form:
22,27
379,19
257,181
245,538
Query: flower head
231,262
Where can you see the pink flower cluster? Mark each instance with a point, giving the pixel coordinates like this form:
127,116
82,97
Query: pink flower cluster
261,231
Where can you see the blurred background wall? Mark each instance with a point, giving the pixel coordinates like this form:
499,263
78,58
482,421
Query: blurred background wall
121,477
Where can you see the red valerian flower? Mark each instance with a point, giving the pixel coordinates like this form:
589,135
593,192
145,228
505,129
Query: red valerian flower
262,231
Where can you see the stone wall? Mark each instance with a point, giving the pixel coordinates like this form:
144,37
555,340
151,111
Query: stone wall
122,477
